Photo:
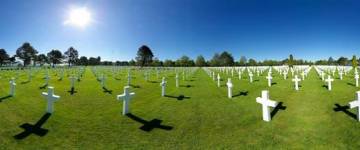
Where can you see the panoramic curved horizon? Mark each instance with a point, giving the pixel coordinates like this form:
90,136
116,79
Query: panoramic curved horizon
114,30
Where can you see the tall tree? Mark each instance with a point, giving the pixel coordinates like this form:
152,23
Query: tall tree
354,61
242,61
92,61
54,57
184,61
215,61
331,61
71,55
252,62
226,59
200,61
132,62
41,59
26,52
342,61
3,56
169,63
144,56
291,61
83,61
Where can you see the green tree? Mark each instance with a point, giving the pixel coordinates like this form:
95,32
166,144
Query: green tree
169,63
55,57
291,61
342,61
252,62
226,59
242,61
132,62
215,61
354,61
42,59
26,52
331,61
156,62
83,61
200,61
71,55
3,56
144,56
184,61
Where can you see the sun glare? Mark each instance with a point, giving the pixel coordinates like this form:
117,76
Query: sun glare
79,17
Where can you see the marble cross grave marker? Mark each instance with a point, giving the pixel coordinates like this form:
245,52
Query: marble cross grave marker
163,86
296,80
356,103
329,80
125,97
51,98
266,104
230,86
12,87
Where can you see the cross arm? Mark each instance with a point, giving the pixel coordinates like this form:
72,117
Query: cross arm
354,104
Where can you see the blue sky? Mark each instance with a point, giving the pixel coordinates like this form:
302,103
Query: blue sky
270,29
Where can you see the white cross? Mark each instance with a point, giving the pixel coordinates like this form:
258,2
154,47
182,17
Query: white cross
129,78
329,80
341,75
303,75
51,98
125,97
266,103
213,75
12,87
269,77
47,78
296,80
232,72
230,86
163,85
251,77
102,80
357,80
322,76
72,81
218,80
356,103
239,75
285,75
177,80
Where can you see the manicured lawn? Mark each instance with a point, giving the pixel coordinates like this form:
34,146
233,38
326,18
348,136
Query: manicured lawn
197,115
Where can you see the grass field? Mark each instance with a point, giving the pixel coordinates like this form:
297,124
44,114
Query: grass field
197,115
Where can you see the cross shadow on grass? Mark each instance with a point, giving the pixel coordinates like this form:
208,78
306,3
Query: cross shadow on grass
117,79
339,108
241,93
273,83
180,97
187,86
25,82
278,107
34,129
135,86
43,87
352,84
5,97
153,81
325,86
149,125
107,90
72,91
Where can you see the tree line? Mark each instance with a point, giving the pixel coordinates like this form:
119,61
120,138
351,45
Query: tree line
145,57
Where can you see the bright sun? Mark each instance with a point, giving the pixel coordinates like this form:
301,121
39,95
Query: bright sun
79,17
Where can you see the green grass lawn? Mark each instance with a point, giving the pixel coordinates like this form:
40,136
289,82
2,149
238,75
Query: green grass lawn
203,119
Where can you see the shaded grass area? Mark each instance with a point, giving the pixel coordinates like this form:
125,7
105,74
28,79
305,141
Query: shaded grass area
197,115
